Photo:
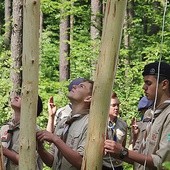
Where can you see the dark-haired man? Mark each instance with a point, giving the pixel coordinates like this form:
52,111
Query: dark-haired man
152,148
70,133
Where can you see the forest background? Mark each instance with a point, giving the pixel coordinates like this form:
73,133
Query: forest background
70,35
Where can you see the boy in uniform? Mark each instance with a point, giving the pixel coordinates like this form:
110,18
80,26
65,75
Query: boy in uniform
152,148
9,134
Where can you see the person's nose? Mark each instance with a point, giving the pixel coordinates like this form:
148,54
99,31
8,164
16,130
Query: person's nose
116,107
144,87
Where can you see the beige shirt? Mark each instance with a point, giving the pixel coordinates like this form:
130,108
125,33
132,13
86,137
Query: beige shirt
12,143
157,142
120,129
76,138
62,112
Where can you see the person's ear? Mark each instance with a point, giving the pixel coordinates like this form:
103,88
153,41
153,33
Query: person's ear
165,84
88,99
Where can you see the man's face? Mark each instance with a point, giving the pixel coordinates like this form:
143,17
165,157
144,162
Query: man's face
16,102
80,92
114,107
150,86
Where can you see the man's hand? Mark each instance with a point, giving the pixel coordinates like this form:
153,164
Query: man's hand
134,128
51,107
113,148
46,136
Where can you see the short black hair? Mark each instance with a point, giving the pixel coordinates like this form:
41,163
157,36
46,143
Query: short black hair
39,106
91,82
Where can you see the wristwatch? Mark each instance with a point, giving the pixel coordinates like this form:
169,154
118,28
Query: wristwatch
123,153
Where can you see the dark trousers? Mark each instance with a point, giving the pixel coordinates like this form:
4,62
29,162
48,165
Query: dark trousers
116,168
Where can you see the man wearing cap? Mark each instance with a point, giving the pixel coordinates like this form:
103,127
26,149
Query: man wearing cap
54,115
143,105
154,146
69,137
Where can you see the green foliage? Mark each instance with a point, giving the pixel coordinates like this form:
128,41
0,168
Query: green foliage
167,165
81,55
49,57
5,84
145,35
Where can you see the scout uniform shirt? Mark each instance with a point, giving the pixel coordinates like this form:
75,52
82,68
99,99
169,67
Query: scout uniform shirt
9,134
154,138
62,112
117,132
75,139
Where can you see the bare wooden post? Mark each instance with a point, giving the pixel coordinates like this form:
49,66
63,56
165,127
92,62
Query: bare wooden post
1,157
110,45
30,63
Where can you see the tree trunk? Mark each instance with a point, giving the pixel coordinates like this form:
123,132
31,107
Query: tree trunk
126,41
16,46
64,47
8,8
103,84
1,157
95,30
95,19
30,61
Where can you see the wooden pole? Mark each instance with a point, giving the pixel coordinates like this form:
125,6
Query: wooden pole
110,45
1,157
30,63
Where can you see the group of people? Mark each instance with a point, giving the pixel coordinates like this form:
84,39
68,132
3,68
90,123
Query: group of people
67,128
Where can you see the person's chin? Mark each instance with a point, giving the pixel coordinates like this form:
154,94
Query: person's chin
114,116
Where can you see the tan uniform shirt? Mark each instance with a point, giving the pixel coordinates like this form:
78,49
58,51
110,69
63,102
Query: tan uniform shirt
12,143
76,138
62,112
120,132
157,143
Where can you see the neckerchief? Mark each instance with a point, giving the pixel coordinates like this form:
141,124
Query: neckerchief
111,132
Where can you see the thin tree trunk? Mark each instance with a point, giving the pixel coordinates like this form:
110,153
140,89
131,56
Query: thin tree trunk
1,158
30,61
95,19
64,47
16,46
95,30
103,84
8,9
126,39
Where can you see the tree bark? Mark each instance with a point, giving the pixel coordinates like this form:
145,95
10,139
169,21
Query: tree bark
126,41
96,19
64,47
16,46
95,30
30,62
106,68
8,9
1,158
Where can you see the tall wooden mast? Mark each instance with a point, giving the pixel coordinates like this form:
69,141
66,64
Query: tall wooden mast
30,63
105,73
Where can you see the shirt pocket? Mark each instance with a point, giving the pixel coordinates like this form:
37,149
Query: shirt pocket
73,139
154,137
120,134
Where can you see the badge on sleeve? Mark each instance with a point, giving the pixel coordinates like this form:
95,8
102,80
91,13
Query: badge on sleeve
168,137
